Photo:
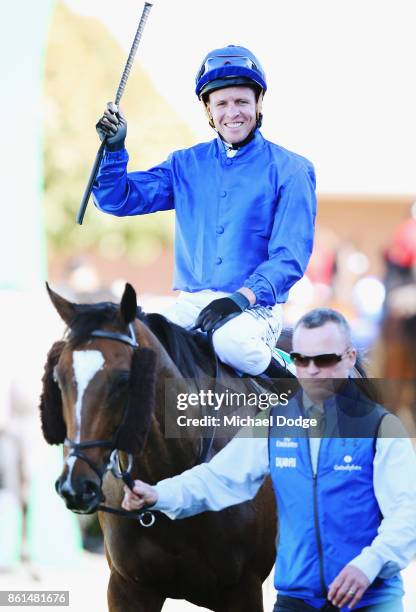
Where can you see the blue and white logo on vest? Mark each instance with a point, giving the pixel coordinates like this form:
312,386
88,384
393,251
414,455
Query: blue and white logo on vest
286,462
286,443
348,465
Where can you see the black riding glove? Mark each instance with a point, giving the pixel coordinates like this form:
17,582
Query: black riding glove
220,309
113,126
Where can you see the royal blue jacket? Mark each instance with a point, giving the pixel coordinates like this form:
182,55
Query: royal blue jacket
241,221
339,515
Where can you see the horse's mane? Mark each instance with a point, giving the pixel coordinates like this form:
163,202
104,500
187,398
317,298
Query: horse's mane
190,351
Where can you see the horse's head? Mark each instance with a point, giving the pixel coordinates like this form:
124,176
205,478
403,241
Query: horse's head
98,393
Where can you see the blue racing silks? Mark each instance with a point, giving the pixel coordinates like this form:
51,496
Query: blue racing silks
241,221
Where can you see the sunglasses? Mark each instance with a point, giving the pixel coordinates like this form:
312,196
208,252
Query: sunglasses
321,361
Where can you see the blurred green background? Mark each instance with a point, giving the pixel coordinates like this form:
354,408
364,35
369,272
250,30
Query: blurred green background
82,71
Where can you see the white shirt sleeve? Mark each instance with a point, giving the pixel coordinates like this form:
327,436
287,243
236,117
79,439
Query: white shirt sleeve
232,476
395,489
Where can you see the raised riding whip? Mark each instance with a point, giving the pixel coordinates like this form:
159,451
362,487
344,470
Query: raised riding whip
120,91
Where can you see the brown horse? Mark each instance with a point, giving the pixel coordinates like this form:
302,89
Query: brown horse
104,390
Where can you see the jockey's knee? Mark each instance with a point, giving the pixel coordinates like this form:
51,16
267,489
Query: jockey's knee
248,355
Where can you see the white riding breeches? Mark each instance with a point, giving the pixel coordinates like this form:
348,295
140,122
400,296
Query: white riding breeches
244,342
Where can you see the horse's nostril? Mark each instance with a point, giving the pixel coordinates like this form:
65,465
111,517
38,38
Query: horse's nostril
83,496
90,490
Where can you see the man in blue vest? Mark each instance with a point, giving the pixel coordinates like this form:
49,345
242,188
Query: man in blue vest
245,212
347,505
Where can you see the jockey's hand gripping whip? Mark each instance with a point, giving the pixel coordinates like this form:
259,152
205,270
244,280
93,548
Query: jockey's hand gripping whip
120,91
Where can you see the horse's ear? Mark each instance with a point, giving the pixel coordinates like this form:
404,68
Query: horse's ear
65,309
128,304
133,432
53,424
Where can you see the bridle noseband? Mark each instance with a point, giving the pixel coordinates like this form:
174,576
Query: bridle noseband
145,517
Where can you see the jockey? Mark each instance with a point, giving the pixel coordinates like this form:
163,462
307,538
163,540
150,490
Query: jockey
245,212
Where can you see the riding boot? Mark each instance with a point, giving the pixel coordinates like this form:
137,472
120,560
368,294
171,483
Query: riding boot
277,370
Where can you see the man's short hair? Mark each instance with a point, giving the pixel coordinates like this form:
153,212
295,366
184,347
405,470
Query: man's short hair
319,316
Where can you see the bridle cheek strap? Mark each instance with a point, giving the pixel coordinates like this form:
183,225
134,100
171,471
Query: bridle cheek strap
76,449
145,517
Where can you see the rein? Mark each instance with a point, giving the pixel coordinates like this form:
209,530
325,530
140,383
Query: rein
145,517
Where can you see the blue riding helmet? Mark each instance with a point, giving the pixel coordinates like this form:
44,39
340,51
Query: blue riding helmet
227,67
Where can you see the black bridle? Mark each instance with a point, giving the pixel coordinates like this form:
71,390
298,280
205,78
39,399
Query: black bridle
145,517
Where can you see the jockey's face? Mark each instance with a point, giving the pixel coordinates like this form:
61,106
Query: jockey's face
233,112
326,339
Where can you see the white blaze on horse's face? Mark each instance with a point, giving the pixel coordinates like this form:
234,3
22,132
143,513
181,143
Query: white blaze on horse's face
86,364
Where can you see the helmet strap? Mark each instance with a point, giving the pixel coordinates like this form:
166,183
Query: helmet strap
208,114
259,108
238,145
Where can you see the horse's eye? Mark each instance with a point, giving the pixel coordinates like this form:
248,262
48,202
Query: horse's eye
119,385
